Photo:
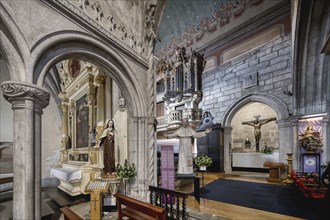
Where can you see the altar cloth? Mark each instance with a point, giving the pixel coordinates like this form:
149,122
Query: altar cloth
66,174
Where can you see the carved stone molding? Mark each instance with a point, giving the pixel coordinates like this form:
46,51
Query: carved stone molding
208,25
13,90
92,12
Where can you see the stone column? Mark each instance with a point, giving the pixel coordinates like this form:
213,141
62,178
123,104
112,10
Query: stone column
326,151
295,145
142,162
228,157
27,101
152,151
133,152
285,142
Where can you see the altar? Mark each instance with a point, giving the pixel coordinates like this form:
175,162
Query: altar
253,159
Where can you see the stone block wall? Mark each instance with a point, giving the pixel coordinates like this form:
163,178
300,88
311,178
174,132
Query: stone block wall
271,63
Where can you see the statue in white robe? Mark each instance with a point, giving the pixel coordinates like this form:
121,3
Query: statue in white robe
185,135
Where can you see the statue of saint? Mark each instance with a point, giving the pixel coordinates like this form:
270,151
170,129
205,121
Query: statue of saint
311,140
107,141
257,128
185,135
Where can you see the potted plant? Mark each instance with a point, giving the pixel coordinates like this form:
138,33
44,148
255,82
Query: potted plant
267,150
203,161
127,171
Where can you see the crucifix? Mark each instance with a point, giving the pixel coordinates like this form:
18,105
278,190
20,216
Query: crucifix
257,127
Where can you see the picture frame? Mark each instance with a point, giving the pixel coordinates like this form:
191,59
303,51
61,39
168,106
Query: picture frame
311,163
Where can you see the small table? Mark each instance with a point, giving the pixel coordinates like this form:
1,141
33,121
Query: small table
196,183
276,171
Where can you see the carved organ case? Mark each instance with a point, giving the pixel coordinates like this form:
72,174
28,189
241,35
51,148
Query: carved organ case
81,159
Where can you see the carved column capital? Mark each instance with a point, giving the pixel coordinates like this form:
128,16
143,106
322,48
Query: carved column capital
17,91
99,80
143,119
135,119
152,120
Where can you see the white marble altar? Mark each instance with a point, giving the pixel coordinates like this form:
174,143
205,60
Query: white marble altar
253,160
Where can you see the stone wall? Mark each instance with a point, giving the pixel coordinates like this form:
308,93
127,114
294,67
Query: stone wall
265,70
6,114
269,131
51,138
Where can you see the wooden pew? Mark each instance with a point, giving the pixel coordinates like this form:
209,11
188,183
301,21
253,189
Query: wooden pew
69,214
4,181
138,210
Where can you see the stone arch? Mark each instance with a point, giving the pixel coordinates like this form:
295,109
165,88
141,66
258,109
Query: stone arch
110,58
13,47
275,103
52,49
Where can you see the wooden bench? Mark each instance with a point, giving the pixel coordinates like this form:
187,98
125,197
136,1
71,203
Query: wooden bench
138,210
69,214
6,180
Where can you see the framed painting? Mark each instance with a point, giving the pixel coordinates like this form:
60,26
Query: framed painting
311,163
82,113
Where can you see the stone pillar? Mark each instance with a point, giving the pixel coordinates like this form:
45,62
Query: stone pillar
285,142
133,152
295,146
326,151
27,101
228,157
152,151
142,162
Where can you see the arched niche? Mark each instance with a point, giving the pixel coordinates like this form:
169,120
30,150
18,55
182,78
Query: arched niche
240,132
243,149
285,141
80,46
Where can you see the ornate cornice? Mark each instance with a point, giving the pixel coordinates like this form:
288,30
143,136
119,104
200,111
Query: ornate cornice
93,13
13,90
208,25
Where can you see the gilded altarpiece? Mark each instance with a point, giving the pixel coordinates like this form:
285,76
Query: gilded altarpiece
81,161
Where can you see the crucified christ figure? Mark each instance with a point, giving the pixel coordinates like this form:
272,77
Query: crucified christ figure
257,127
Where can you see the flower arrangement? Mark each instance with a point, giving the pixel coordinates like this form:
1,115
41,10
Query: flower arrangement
126,171
203,161
267,150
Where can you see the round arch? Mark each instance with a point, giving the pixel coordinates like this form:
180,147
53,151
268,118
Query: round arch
275,103
13,46
57,47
